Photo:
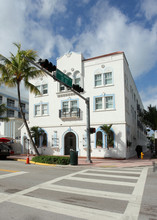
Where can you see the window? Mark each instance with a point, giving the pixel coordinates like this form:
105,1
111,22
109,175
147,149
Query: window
41,109
98,80
108,78
37,110
10,102
74,106
23,105
43,89
104,102
70,106
98,103
65,107
77,81
10,113
62,87
109,102
44,109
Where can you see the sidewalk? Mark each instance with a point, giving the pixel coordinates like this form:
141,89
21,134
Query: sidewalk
105,162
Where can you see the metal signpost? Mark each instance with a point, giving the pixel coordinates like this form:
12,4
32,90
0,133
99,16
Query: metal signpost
67,81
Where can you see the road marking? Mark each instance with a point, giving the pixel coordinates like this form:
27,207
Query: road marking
106,175
65,209
116,171
12,174
134,208
10,171
88,192
131,211
101,181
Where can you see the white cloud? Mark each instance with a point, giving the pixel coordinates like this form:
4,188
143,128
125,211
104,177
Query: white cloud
149,7
110,30
149,96
46,8
79,21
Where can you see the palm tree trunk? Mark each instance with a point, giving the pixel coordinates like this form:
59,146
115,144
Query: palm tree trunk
24,120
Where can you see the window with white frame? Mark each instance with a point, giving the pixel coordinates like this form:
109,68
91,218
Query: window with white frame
65,106
41,109
98,79
109,102
98,103
37,110
77,79
43,89
103,77
70,105
44,109
104,102
73,105
108,78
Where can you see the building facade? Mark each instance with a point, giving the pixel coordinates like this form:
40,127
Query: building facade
114,100
10,99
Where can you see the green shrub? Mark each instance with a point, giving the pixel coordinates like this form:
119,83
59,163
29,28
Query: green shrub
51,159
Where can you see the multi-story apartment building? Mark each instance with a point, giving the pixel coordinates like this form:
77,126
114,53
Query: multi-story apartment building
114,99
10,99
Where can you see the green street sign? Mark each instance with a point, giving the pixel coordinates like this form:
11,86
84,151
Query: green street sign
63,78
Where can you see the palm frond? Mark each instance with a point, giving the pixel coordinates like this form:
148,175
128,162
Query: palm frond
33,89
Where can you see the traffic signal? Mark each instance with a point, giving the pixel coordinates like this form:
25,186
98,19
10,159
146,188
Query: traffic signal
92,130
47,65
77,88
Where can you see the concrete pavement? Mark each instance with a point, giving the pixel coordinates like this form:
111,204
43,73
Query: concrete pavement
105,162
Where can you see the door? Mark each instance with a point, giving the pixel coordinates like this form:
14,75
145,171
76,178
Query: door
69,142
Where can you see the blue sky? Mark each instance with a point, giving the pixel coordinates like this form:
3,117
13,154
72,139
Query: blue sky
92,27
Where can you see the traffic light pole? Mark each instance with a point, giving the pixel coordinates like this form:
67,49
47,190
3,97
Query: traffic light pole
87,101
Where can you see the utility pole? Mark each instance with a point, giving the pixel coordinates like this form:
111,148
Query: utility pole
87,101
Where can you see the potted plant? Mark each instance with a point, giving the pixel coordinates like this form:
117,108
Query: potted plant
99,143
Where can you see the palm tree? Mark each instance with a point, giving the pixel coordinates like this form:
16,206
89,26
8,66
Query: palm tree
36,133
3,109
109,133
18,69
149,117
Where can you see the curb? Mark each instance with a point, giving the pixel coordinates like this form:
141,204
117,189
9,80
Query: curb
32,162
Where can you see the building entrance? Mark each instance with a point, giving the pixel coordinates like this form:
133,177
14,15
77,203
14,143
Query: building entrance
69,142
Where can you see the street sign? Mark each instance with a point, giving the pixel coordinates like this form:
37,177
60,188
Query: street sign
63,78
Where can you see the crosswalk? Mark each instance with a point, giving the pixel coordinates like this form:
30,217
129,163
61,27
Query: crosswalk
110,193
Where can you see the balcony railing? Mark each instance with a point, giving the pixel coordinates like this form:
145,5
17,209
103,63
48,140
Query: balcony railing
69,113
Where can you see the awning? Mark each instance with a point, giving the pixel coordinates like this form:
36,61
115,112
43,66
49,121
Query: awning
4,140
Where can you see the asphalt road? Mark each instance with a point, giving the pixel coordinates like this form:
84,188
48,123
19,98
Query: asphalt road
34,192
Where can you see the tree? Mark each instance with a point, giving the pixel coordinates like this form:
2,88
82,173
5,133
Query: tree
36,133
3,109
109,133
149,117
18,69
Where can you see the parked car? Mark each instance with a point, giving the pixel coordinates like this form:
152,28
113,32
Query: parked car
5,150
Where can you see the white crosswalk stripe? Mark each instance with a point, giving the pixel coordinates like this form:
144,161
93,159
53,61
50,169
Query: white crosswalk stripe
90,176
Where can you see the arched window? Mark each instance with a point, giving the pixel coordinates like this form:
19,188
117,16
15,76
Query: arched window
99,139
77,78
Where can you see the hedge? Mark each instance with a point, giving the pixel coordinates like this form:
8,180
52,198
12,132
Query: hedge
52,159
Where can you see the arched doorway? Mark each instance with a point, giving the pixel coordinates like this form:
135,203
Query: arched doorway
69,142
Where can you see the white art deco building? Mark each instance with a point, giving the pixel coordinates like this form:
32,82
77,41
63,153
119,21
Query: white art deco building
10,99
114,99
